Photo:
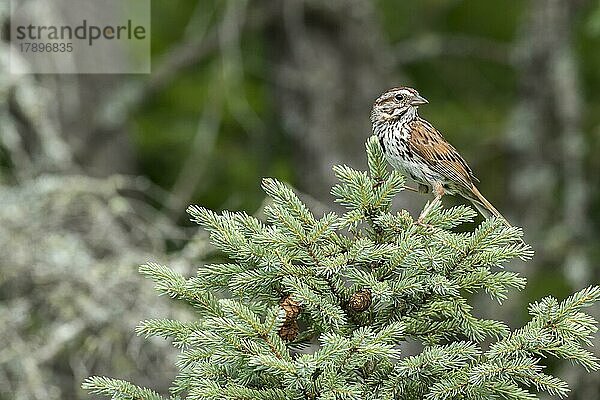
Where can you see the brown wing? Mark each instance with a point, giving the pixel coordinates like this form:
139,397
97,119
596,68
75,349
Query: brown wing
429,144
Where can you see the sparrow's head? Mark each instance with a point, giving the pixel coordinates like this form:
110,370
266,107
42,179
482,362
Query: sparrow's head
396,103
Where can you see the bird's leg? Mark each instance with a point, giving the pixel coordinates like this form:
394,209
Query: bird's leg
412,189
379,182
438,189
422,189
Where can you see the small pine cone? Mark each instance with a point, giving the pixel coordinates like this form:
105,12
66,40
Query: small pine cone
289,330
360,301
291,307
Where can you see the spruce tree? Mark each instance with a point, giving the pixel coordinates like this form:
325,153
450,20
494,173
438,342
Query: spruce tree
319,308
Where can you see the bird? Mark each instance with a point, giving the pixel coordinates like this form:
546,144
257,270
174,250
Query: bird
418,150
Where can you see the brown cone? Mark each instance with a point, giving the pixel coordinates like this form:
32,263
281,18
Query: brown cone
360,301
289,330
291,307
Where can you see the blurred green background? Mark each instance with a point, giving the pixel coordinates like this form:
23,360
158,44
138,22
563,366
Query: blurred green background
96,170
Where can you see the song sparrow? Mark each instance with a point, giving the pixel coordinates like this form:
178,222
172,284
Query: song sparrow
413,146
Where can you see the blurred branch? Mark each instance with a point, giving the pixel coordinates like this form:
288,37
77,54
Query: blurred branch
330,59
565,80
429,46
60,236
229,88
233,67
117,108
61,335
566,88
195,164
29,128
182,56
546,138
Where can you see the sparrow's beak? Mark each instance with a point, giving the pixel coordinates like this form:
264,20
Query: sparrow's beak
418,100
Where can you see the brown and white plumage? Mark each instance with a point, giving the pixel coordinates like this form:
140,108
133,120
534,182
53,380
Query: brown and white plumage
413,146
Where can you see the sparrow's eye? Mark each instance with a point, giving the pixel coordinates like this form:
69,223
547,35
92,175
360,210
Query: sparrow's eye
399,97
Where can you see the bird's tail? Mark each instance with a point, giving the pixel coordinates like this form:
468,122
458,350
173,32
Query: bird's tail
484,206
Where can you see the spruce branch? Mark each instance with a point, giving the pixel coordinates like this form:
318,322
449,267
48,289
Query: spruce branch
376,160
180,332
176,286
557,329
118,389
318,308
